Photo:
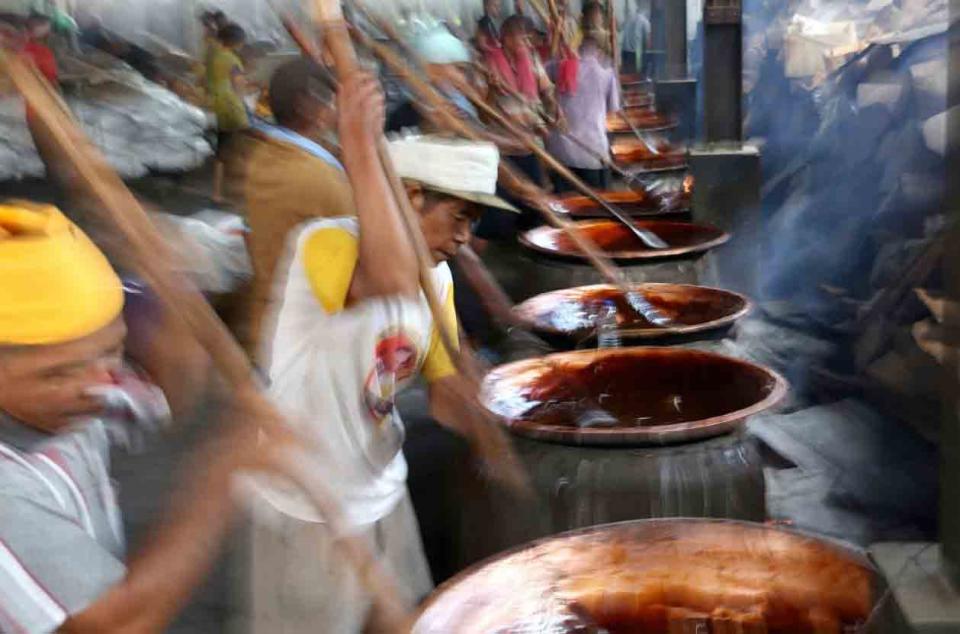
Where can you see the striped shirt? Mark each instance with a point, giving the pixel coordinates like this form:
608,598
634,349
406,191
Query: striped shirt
61,539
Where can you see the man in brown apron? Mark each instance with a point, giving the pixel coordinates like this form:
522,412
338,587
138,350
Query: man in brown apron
288,173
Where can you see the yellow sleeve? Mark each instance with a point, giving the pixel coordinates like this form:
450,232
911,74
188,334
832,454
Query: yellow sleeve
330,258
438,364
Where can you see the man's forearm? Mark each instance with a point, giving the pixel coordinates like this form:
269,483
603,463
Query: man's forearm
177,557
387,264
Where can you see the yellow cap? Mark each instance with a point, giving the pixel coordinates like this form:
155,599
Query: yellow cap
55,284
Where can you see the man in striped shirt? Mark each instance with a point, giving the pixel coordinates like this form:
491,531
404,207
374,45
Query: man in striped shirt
61,543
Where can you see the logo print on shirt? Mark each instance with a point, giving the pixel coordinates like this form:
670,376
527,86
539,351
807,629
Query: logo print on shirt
395,361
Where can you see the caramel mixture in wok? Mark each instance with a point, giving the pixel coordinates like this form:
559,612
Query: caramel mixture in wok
657,577
575,312
641,119
619,389
633,396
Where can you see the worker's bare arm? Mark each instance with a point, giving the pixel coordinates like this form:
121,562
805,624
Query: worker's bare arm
387,264
161,578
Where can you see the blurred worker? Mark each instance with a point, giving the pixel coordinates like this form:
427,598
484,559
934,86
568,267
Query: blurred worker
512,63
488,27
211,23
12,37
448,65
585,116
37,48
569,32
520,9
593,23
634,41
447,62
289,173
351,330
226,84
528,97
65,393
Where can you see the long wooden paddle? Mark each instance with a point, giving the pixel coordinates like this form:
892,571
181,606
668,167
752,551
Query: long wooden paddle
433,104
479,427
155,262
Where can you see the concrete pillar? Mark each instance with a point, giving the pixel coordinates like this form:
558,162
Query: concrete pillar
675,31
656,53
723,71
727,195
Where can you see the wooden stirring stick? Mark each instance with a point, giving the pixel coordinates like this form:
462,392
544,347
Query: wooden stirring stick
649,238
481,429
527,139
434,108
493,297
151,257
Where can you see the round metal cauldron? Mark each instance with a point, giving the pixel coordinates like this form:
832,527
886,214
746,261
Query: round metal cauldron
663,576
642,120
634,80
648,396
637,98
591,429
547,260
667,201
569,317
637,91
633,154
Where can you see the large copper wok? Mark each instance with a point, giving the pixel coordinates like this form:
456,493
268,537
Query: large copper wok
642,120
619,243
650,154
631,202
624,396
660,577
573,313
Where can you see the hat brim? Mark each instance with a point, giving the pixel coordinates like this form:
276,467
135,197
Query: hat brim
486,200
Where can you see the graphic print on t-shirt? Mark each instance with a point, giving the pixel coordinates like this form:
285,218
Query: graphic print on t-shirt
395,360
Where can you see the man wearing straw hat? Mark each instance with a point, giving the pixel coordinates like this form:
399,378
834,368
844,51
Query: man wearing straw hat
350,330
65,394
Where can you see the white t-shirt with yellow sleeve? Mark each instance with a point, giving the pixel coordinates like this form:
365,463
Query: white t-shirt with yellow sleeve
336,369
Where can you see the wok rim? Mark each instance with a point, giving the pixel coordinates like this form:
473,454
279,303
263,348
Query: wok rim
675,433
847,550
649,334
662,254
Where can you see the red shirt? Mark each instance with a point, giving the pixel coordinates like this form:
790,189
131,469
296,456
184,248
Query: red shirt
42,56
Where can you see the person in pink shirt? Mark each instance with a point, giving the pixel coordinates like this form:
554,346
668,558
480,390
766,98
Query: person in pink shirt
585,111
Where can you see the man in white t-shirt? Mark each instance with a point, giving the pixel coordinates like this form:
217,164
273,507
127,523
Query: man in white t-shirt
350,329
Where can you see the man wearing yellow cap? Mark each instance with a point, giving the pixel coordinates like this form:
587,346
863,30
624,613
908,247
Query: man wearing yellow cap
61,379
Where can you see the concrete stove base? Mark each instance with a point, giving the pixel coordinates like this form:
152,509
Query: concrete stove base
922,600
